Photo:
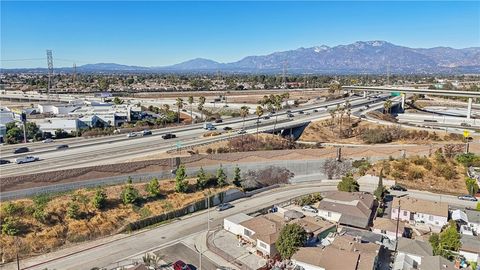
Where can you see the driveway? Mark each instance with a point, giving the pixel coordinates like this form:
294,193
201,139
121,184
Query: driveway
191,257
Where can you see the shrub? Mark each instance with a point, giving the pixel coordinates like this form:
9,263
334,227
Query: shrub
397,175
129,194
73,210
372,136
348,184
291,237
444,170
333,168
99,200
415,172
209,151
181,184
472,185
266,177
401,165
309,199
12,208
10,226
153,187
468,159
422,161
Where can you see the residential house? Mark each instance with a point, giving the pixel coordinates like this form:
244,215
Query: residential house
232,223
388,228
347,208
410,253
470,248
473,220
324,258
436,263
262,232
420,213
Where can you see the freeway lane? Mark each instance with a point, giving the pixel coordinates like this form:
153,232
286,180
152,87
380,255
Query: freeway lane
125,149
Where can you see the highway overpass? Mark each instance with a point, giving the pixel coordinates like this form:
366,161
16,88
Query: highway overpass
431,92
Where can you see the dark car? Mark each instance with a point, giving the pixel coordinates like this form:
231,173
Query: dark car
180,265
300,112
315,110
266,117
4,161
218,121
224,206
290,115
398,188
62,146
146,132
168,136
21,150
288,111
227,128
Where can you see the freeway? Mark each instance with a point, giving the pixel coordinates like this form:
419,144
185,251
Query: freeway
109,250
431,92
119,148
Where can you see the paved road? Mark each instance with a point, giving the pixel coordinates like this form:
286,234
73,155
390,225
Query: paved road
119,148
180,251
105,251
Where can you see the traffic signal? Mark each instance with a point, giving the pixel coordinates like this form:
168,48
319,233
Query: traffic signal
23,117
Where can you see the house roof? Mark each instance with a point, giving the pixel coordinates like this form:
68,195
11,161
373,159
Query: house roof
421,206
388,225
266,228
436,263
414,247
312,224
365,198
138,267
350,243
470,243
324,257
473,216
238,218
366,236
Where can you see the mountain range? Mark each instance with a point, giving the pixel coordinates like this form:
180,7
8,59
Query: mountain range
373,57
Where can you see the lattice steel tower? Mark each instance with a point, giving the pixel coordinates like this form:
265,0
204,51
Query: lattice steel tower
50,72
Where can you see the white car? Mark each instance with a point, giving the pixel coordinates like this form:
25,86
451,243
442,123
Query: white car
242,131
26,159
131,135
47,141
309,208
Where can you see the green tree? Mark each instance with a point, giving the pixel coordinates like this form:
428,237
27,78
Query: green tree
73,210
10,226
237,179
14,135
243,113
292,236
379,192
153,187
118,101
259,112
190,101
202,179
201,103
181,184
472,185
348,184
478,206
99,200
277,103
221,177
33,131
129,194
447,242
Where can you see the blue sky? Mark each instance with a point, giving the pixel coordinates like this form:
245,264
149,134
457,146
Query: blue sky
156,33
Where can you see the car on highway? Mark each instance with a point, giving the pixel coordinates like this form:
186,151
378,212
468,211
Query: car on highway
169,136
224,206
288,111
227,128
307,113
363,116
131,135
180,265
398,187
26,159
4,161
212,128
467,198
301,112
47,140
315,110
146,132
309,208
242,131
290,115
21,150
62,146
258,122
218,121
465,124
266,117
367,106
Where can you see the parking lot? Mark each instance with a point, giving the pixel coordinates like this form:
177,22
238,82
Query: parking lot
182,252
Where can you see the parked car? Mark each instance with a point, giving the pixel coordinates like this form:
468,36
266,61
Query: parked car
227,128
224,206
146,132
309,208
131,135
47,141
26,159
169,136
180,265
62,146
218,121
21,150
242,131
467,198
4,161
398,188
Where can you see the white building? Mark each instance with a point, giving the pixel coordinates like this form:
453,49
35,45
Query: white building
56,109
52,124
470,248
232,223
6,116
420,213
388,228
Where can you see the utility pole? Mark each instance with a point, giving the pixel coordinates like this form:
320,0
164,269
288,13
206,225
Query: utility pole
50,72
74,72
398,223
284,75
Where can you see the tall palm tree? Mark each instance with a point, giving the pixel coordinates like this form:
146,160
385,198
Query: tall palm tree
278,106
387,106
179,104
243,113
332,113
190,101
201,102
348,108
259,112
166,108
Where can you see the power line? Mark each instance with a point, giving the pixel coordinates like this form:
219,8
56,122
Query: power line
21,59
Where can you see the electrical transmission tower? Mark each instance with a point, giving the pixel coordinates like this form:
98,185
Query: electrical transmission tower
50,72
284,75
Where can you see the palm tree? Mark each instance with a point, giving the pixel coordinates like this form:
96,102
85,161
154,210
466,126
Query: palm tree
190,101
278,106
243,113
348,107
387,106
259,113
201,102
179,104
332,114
166,108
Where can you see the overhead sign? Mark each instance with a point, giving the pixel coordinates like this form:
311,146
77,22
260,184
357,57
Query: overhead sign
466,133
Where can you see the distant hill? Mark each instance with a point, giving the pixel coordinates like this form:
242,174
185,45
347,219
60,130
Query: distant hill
359,57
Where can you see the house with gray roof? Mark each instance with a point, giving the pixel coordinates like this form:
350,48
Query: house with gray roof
410,253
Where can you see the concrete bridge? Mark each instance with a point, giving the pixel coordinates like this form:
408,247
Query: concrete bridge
431,92
293,130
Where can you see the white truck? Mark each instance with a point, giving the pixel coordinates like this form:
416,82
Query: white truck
208,126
